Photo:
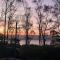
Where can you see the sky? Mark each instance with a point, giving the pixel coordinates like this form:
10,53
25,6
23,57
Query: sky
47,2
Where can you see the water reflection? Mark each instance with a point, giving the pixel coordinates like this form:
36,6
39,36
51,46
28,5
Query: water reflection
35,42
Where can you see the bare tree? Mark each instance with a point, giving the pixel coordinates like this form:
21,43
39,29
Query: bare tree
47,10
38,10
45,23
6,3
27,24
9,13
57,12
43,26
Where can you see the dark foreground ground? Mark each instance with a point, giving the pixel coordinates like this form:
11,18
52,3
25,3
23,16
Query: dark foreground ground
31,52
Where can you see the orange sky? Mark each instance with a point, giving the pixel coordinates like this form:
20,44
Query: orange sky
1,30
32,31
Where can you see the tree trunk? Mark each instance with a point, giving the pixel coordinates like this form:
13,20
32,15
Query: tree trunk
5,23
44,40
27,31
39,34
26,36
16,34
5,29
7,36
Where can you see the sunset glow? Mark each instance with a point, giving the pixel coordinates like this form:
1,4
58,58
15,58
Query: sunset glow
29,17
2,30
29,29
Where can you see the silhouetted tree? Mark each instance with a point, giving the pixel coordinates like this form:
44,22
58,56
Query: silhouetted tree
57,12
1,38
12,10
6,5
27,24
38,11
45,23
8,13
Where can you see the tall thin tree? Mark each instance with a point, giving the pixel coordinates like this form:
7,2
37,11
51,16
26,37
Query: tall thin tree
38,10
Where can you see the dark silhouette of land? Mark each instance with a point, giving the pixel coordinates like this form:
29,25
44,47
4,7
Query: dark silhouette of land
30,52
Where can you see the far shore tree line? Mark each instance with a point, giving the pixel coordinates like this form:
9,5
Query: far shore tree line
47,18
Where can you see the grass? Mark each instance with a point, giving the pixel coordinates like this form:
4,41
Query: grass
30,52
38,52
